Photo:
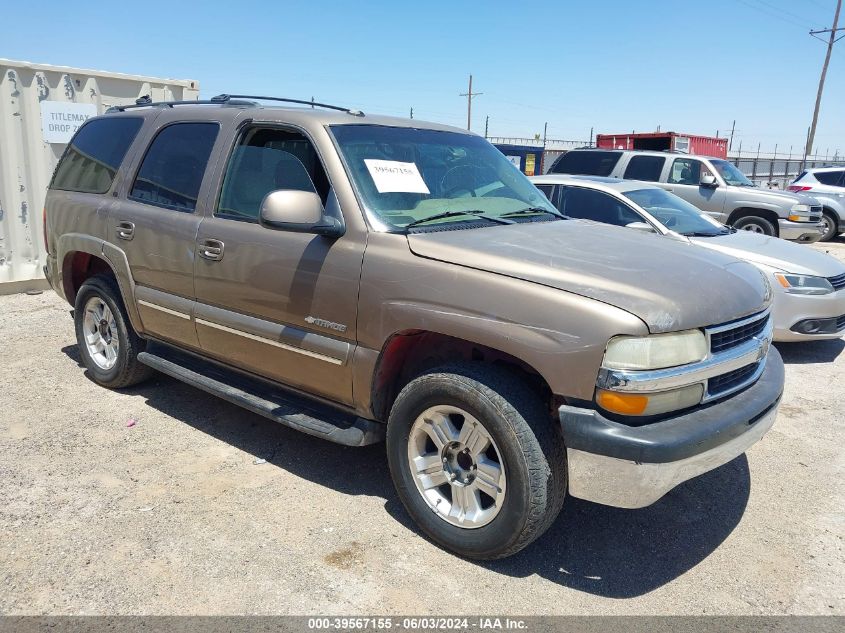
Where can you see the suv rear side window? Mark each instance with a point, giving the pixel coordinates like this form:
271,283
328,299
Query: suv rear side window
171,173
266,160
587,163
646,168
832,178
94,155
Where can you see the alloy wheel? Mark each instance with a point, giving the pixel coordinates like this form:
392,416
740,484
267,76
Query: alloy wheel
100,330
456,466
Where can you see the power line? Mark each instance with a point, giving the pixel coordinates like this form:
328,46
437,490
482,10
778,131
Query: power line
775,15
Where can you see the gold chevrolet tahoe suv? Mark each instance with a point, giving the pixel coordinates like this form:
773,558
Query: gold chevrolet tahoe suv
365,278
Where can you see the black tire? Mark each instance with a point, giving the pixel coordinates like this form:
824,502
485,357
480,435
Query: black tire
756,224
518,421
127,370
832,227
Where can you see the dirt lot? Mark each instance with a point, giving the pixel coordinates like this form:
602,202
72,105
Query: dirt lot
178,515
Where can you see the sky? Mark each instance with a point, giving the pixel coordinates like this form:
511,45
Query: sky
607,65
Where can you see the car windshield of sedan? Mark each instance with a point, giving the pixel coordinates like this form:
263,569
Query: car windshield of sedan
406,176
676,214
731,174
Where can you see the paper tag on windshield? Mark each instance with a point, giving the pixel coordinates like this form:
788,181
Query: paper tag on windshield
391,176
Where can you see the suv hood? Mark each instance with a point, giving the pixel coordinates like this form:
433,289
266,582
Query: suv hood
663,282
773,252
784,199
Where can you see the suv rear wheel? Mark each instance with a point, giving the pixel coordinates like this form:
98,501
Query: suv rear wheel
476,459
755,224
107,343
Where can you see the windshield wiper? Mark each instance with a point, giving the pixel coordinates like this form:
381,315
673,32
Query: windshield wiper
452,214
533,210
704,234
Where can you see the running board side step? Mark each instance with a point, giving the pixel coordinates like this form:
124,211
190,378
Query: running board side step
264,398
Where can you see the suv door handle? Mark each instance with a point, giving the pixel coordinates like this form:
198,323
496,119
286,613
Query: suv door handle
211,250
125,230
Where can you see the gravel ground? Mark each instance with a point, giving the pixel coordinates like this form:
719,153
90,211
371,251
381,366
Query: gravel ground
178,514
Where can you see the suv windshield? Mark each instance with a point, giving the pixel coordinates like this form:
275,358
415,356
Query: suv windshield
676,214
406,175
731,174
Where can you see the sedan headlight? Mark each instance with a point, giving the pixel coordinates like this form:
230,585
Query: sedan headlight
804,284
655,352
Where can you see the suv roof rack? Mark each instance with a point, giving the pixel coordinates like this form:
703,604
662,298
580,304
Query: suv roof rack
147,102
224,98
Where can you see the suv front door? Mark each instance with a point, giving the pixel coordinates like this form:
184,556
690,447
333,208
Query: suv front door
277,303
684,180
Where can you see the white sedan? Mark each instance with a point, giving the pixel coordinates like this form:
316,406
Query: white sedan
809,286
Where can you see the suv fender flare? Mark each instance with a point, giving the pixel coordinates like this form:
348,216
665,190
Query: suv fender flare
116,258
70,243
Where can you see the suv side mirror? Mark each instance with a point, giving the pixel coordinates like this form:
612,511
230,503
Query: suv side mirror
645,227
709,180
298,212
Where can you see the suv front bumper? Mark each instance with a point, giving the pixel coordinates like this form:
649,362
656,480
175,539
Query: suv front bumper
806,232
634,466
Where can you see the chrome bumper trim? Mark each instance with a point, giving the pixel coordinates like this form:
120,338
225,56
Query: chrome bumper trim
628,484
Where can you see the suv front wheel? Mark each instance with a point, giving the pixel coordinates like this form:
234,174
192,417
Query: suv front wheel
476,459
755,224
107,343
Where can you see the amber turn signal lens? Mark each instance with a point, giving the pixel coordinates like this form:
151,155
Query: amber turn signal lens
622,403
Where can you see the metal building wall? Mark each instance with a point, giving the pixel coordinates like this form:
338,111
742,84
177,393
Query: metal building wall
27,161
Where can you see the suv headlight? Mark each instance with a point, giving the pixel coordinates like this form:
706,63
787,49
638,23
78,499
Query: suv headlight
800,213
804,284
657,351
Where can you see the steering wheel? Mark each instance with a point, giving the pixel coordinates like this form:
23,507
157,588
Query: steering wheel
461,186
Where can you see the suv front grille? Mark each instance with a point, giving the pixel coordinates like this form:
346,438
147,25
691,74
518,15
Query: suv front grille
731,337
729,381
837,282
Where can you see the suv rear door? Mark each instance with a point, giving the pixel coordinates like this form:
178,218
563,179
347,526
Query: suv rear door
684,180
156,217
278,303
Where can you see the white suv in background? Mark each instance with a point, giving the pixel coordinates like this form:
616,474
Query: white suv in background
714,185
827,185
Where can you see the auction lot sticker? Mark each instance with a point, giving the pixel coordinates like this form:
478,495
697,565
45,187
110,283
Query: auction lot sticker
391,176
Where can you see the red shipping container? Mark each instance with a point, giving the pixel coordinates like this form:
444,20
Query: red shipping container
666,141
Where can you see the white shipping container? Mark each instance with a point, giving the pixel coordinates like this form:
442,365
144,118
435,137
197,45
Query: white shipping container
40,108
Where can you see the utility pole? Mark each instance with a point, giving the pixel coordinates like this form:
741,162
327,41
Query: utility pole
412,113
312,103
831,41
486,125
469,95
731,142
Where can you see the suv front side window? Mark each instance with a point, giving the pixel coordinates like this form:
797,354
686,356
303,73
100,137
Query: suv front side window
171,173
265,160
687,171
